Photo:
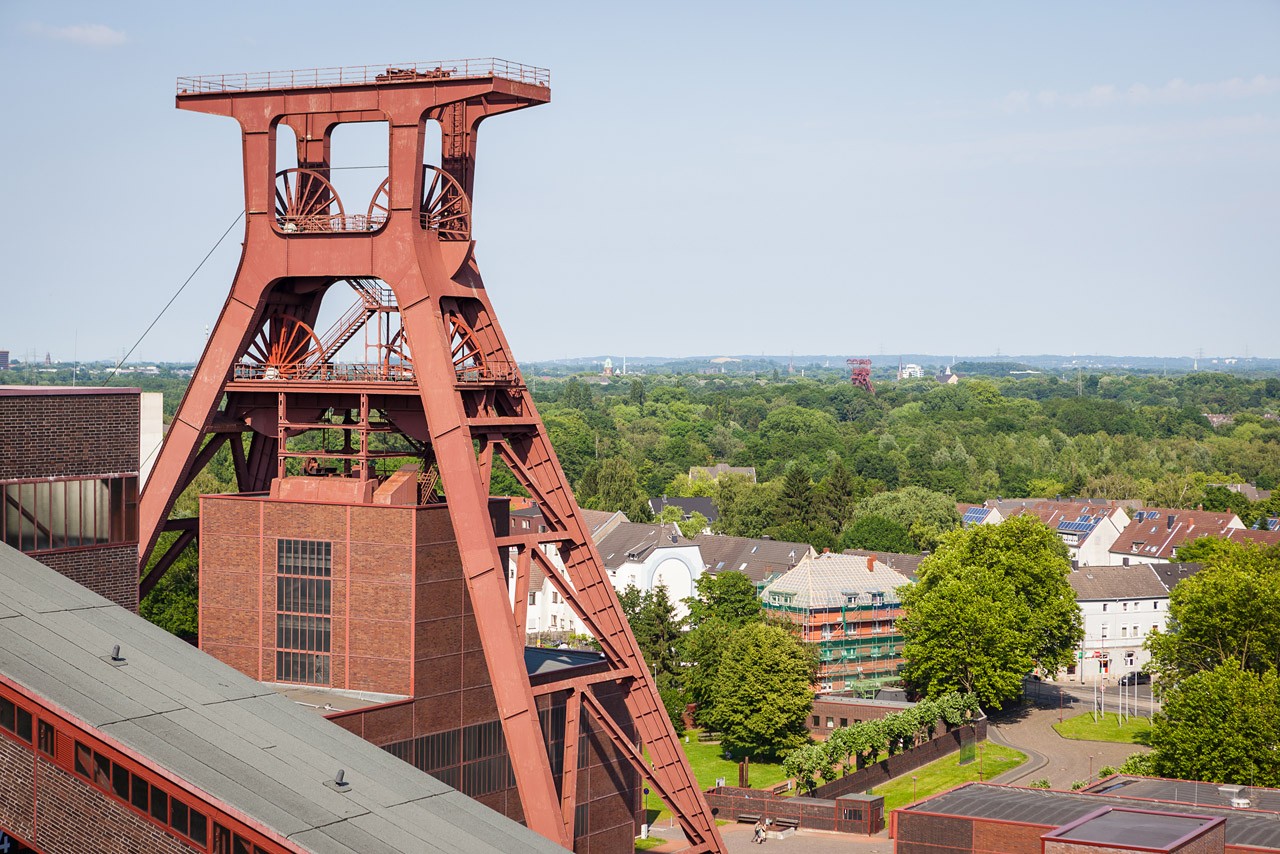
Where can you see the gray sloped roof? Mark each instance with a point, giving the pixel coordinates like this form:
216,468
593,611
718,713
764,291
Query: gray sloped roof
758,559
225,734
1136,581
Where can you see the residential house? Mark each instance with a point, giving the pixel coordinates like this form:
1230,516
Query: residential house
1155,533
688,506
1089,527
849,607
646,555
1120,606
762,560
547,609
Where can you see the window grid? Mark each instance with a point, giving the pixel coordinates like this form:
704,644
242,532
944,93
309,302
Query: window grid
304,569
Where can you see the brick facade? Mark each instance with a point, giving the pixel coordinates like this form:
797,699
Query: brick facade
402,624
60,432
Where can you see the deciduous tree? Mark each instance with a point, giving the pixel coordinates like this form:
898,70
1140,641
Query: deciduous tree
763,692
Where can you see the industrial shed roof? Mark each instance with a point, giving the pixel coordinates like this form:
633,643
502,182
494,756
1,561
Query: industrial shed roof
226,735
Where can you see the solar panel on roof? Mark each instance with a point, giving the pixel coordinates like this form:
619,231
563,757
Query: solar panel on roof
974,515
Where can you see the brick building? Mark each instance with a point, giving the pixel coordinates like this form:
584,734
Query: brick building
69,461
849,607
1116,814
353,594
117,738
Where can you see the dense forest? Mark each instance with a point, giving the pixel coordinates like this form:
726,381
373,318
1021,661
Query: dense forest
820,448
837,467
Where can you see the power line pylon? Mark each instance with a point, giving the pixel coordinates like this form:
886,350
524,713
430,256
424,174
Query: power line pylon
441,380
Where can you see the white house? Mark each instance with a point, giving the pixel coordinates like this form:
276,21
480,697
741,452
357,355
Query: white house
1089,528
1120,605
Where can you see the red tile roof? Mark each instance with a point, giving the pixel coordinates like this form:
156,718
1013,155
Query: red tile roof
1156,532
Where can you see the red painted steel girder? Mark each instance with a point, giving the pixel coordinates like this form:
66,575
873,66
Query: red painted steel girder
462,392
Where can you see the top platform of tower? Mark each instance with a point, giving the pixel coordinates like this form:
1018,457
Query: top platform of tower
404,74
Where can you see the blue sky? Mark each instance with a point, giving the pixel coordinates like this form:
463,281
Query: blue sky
843,178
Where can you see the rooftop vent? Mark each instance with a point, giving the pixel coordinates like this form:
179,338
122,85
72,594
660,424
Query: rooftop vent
339,782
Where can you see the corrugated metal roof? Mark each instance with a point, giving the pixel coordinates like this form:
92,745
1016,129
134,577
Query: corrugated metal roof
225,734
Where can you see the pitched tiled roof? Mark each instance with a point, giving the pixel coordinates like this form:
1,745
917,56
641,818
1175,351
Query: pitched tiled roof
688,506
1156,532
1138,581
1080,518
1171,573
758,559
1262,538
633,541
908,565
830,580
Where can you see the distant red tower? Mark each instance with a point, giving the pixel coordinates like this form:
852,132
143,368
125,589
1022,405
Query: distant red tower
861,377
439,383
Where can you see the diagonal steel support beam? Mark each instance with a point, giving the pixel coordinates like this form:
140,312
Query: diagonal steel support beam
166,560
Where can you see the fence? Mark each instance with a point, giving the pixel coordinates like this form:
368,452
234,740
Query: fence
847,814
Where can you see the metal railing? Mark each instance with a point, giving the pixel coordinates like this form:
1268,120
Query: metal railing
326,224
493,371
364,75
396,373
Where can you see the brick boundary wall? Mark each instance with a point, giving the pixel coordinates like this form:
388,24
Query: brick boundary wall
734,804
942,744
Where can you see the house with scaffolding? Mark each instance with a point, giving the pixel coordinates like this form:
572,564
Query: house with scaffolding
848,605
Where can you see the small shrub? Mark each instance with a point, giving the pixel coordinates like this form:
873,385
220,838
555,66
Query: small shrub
1078,785
1042,783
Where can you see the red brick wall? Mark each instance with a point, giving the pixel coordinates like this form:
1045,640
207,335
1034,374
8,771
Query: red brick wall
75,818
109,571
17,788
70,435
62,435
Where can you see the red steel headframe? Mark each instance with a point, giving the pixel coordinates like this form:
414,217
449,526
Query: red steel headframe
446,380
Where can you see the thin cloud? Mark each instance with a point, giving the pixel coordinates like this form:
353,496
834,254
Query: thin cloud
1176,91
93,35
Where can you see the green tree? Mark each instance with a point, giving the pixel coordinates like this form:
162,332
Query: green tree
926,514
727,596
1229,610
614,485
636,393
806,764
693,526
1033,559
795,501
1220,725
964,633
653,621
763,692
877,533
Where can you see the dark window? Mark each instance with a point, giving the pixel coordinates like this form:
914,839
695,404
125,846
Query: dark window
24,725
199,828
844,722
581,815
140,789
7,713
221,839
70,513
179,817
159,804
46,738
817,721
120,781
241,846
102,771
303,607
84,759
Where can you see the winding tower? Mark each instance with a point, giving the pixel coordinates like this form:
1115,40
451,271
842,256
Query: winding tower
439,383
860,375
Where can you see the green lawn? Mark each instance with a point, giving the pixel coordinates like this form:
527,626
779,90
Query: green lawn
1106,728
708,763
946,773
